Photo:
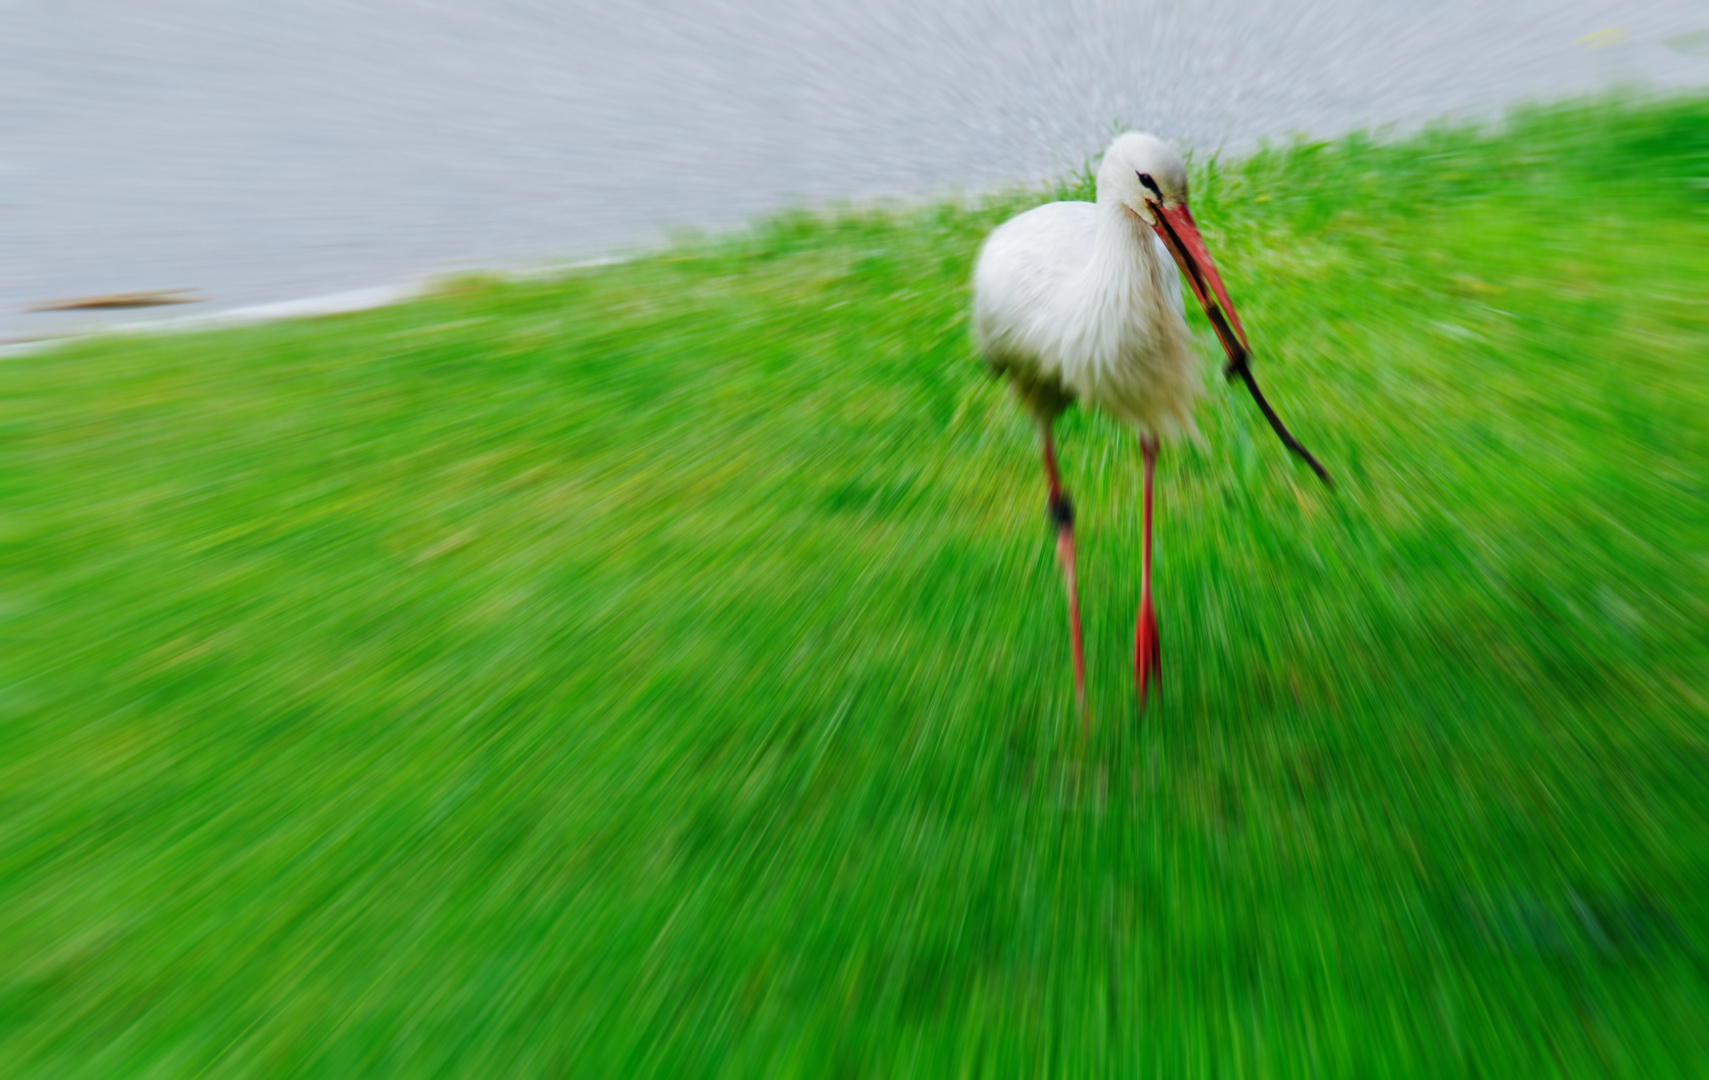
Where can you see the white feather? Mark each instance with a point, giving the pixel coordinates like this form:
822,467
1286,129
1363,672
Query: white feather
1078,300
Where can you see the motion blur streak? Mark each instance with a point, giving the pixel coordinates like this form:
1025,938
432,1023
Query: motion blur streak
659,670
262,152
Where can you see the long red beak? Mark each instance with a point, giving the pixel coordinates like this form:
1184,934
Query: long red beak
1181,236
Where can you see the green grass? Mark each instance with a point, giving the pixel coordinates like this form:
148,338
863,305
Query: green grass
663,670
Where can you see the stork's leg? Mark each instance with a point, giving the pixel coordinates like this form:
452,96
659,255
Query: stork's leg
1147,656
1062,513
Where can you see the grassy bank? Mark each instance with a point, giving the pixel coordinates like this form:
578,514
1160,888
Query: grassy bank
663,671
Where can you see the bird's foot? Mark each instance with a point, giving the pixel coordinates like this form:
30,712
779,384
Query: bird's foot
1147,652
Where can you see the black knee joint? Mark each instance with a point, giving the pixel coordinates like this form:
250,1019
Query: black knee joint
1061,511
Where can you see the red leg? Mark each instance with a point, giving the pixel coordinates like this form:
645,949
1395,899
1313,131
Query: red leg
1062,513
1147,655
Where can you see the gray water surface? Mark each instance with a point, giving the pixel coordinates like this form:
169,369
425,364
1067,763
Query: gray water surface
266,151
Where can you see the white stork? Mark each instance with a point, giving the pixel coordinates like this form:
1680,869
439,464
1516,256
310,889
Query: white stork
1080,301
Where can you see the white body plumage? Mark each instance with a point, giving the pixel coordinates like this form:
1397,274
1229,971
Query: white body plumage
1081,301
1077,300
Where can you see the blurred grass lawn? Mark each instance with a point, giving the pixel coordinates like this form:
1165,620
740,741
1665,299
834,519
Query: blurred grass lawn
663,670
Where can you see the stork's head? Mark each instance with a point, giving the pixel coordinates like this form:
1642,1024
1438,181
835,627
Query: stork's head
1142,175
1141,172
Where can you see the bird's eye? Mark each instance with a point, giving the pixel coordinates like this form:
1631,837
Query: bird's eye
1145,178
